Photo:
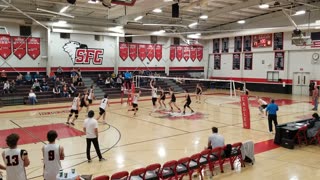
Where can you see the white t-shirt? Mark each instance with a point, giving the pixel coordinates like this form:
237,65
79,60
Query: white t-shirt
216,140
51,159
90,124
32,94
135,99
104,103
262,102
90,94
154,92
15,165
75,103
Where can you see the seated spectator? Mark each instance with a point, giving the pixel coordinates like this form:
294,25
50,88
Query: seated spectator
114,76
79,81
6,87
19,79
72,90
37,76
52,76
79,72
99,80
4,77
108,82
59,72
215,139
178,80
56,91
28,78
57,83
44,85
12,88
119,81
74,80
36,86
65,91
314,126
32,97
73,73
62,82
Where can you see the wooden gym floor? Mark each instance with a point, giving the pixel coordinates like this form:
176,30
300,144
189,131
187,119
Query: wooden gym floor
131,142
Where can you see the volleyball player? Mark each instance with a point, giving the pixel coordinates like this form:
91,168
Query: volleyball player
83,100
198,93
135,98
173,100
74,109
154,91
262,104
91,94
15,159
102,108
188,102
162,98
52,156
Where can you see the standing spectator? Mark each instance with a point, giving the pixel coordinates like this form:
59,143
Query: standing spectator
215,139
79,72
99,80
19,79
311,88
12,88
32,97
271,112
16,159
127,78
6,87
79,81
36,85
52,156
56,91
73,73
4,77
44,85
315,97
28,78
90,127
60,72
65,91
72,90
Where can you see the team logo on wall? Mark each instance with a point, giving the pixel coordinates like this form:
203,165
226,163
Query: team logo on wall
81,54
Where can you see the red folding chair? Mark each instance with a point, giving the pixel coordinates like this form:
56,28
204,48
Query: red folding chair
182,167
236,154
204,160
215,158
137,174
301,135
104,177
168,170
316,138
123,175
152,171
194,165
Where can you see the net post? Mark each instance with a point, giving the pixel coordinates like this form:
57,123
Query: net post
230,88
234,89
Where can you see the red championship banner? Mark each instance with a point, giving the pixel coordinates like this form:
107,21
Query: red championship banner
186,53
142,51
123,50
19,46
193,53
245,111
33,46
199,53
133,51
172,53
5,46
179,52
158,52
150,51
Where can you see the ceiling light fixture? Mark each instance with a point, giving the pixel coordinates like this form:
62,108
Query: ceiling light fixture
264,6
241,21
193,24
62,22
138,18
203,17
93,1
64,9
157,10
197,34
301,12
52,12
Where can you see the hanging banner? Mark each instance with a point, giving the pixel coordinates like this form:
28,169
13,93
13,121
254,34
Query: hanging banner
33,46
279,61
236,61
217,61
19,46
179,52
278,41
142,51
248,61
262,40
150,51
133,51
186,53
225,45
245,111
158,52
216,45
199,53
123,50
238,44
5,46
247,43
172,53
193,53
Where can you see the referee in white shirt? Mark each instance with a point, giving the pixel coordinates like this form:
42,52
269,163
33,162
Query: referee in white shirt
90,127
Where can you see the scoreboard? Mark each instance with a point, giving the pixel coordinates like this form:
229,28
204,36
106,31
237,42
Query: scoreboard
262,40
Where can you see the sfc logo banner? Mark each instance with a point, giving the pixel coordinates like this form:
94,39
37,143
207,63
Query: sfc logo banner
81,54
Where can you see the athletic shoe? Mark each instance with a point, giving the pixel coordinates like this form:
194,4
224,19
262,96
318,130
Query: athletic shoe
192,111
67,123
89,161
102,159
271,132
183,113
72,124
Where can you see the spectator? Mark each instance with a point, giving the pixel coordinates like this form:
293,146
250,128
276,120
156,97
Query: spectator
6,87
60,72
271,111
79,81
72,90
74,80
108,82
44,85
4,77
53,76
62,82
311,88
79,72
19,79
215,139
56,91
314,126
65,91
57,83
32,97
114,76
14,153
315,97
37,76
119,81
73,73
28,78
36,85
99,80
12,88
127,78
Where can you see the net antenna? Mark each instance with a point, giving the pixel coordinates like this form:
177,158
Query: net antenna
3,30
230,83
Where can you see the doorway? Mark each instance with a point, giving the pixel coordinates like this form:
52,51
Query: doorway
300,84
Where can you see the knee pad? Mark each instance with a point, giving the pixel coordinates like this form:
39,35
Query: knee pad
70,115
76,116
137,109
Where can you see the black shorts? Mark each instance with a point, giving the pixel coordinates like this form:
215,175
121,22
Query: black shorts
199,92
173,100
154,100
134,105
74,111
163,98
102,111
90,101
83,104
187,103
264,106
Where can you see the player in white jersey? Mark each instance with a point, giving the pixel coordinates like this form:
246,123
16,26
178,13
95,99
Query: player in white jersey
3,168
135,102
15,159
52,154
102,108
154,95
91,94
74,109
262,104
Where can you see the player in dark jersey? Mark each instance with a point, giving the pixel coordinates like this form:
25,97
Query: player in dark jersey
173,100
83,100
162,98
198,93
188,102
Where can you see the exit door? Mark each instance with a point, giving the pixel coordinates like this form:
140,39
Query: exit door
301,82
